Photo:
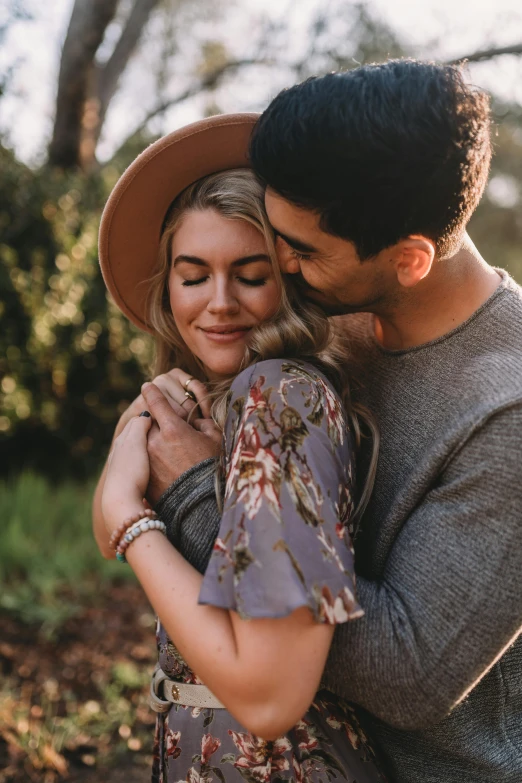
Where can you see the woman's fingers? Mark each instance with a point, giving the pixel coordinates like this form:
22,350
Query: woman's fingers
180,384
171,390
136,430
200,391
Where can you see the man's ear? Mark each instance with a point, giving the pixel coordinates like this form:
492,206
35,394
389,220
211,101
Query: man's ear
413,259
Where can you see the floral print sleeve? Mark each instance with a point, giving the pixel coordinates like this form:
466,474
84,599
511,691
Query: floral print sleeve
283,541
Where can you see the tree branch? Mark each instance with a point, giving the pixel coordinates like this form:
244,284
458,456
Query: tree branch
487,54
209,81
110,74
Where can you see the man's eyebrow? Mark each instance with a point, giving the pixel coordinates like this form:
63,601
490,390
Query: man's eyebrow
237,263
302,247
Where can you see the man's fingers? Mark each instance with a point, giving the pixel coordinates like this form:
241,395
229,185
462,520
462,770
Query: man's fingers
160,408
208,428
157,403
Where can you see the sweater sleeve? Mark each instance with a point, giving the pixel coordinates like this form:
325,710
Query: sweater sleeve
449,601
190,512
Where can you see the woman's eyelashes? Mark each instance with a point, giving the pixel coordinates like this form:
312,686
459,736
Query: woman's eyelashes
257,281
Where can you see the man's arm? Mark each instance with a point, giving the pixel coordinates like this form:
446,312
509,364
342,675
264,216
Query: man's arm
176,446
449,602
189,509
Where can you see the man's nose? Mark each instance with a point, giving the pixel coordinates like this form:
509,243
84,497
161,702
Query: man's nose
288,264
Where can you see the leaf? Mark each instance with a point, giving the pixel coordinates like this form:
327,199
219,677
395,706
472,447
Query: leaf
218,773
238,405
282,546
208,720
228,758
327,759
196,758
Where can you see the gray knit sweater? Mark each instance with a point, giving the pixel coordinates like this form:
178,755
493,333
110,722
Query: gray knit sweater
435,665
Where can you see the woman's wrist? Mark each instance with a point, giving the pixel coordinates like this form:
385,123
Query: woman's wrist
122,510
132,529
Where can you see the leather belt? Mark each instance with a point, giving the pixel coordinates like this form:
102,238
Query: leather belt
165,692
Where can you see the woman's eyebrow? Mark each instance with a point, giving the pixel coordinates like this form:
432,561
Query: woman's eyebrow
238,262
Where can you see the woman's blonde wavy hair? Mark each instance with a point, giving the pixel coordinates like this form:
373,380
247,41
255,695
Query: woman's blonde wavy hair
298,330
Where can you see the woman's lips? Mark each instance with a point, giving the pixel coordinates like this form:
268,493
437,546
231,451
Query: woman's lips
226,334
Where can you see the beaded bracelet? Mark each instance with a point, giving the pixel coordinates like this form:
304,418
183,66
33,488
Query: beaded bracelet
128,522
133,532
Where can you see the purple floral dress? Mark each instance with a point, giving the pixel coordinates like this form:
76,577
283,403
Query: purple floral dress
283,543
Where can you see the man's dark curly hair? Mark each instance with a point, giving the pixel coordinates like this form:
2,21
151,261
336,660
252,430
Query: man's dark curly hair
381,152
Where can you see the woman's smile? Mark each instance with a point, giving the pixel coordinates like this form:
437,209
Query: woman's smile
226,333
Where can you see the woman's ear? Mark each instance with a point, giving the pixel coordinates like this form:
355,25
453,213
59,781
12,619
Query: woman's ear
413,259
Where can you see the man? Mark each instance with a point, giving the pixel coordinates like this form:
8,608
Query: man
371,179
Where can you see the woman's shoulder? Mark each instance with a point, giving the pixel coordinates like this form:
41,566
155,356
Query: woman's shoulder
283,374
275,392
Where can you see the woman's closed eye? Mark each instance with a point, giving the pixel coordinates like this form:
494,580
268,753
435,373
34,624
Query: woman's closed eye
256,281
196,281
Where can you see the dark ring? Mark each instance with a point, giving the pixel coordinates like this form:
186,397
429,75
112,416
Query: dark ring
191,395
145,413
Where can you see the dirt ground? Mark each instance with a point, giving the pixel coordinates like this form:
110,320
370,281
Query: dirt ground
74,707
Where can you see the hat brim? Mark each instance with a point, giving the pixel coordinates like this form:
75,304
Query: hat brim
132,220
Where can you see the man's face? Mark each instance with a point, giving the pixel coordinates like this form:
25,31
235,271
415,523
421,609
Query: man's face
329,269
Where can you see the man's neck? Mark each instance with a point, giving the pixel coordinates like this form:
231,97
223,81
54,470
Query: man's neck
454,289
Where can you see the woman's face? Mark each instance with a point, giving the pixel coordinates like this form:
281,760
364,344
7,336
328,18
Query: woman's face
221,284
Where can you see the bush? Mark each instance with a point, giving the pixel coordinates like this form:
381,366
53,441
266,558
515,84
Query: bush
69,361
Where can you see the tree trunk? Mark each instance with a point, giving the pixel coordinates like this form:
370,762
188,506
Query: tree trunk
89,20
84,88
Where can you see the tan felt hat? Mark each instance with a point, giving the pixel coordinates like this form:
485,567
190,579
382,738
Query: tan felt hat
131,223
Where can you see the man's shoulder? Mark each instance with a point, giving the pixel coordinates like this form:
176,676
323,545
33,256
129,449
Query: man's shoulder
482,355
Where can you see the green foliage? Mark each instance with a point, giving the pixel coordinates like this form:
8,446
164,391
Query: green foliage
496,227
49,561
69,361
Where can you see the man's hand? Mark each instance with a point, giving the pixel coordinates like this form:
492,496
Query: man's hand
173,445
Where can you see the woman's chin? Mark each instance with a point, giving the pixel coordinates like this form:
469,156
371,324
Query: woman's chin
217,370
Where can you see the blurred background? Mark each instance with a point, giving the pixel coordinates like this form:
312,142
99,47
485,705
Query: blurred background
85,85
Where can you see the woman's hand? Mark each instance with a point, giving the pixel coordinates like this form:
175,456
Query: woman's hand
128,472
174,385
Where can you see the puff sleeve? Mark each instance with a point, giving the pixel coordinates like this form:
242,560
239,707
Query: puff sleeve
283,542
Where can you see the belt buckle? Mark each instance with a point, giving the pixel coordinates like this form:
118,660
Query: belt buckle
156,703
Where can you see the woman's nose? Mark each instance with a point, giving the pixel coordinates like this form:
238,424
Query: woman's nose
223,299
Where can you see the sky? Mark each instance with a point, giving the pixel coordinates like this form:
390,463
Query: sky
437,28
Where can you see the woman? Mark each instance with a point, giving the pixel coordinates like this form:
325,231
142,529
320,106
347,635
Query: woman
253,616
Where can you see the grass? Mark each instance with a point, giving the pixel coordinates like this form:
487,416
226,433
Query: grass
49,561
76,644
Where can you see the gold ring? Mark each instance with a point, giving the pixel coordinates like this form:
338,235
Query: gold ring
185,385
183,403
191,395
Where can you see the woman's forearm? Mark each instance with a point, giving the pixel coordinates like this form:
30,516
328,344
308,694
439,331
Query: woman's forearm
98,522
266,672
